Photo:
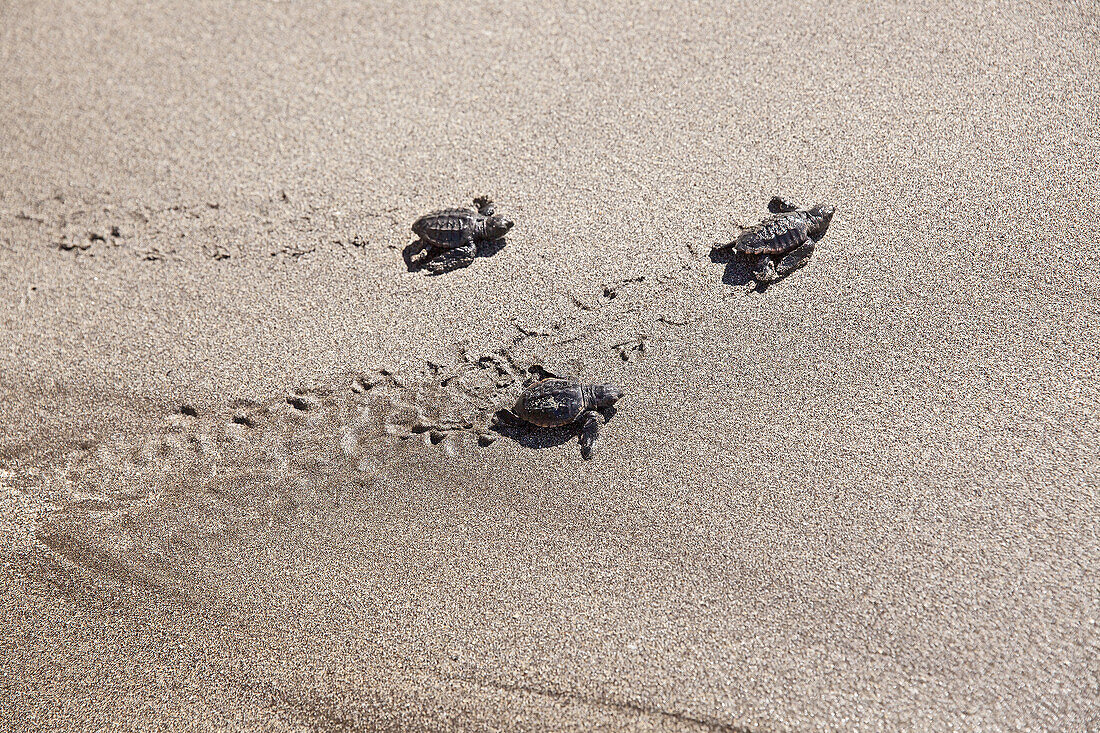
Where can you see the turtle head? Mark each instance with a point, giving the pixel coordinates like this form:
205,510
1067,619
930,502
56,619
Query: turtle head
497,226
605,395
821,215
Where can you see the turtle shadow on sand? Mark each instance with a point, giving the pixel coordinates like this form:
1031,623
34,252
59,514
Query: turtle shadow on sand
531,436
420,255
738,272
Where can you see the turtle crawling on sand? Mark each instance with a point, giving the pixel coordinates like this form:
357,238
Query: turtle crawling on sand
452,235
784,241
558,401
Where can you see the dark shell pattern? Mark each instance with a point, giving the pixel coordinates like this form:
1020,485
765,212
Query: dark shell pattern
775,235
447,228
550,403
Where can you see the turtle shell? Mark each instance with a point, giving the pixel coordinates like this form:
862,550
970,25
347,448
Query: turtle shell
550,403
448,228
775,235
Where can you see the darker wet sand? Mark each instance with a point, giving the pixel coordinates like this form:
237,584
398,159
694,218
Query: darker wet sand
862,498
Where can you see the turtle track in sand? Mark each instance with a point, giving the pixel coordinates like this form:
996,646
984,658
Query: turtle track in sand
128,509
129,506
281,226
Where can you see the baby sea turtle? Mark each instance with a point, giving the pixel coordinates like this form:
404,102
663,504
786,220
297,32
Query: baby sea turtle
784,241
558,401
455,233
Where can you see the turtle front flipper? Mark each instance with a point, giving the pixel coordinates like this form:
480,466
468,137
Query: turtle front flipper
590,430
780,205
794,259
452,259
485,206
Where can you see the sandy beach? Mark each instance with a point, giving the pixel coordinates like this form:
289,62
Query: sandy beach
863,498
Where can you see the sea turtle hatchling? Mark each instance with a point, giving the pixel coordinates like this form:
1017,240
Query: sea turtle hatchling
784,241
456,233
558,401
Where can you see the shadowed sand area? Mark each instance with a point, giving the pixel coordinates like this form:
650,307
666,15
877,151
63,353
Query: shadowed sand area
864,498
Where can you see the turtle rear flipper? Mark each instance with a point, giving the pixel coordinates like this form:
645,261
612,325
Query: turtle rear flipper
537,373
739,228
780,205
416,254
507,419
763,270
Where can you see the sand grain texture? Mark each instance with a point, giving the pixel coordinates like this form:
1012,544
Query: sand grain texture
862,499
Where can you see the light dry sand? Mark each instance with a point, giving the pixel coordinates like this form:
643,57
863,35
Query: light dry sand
864,499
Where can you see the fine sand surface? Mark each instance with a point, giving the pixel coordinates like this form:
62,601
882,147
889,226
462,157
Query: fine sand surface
865,498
